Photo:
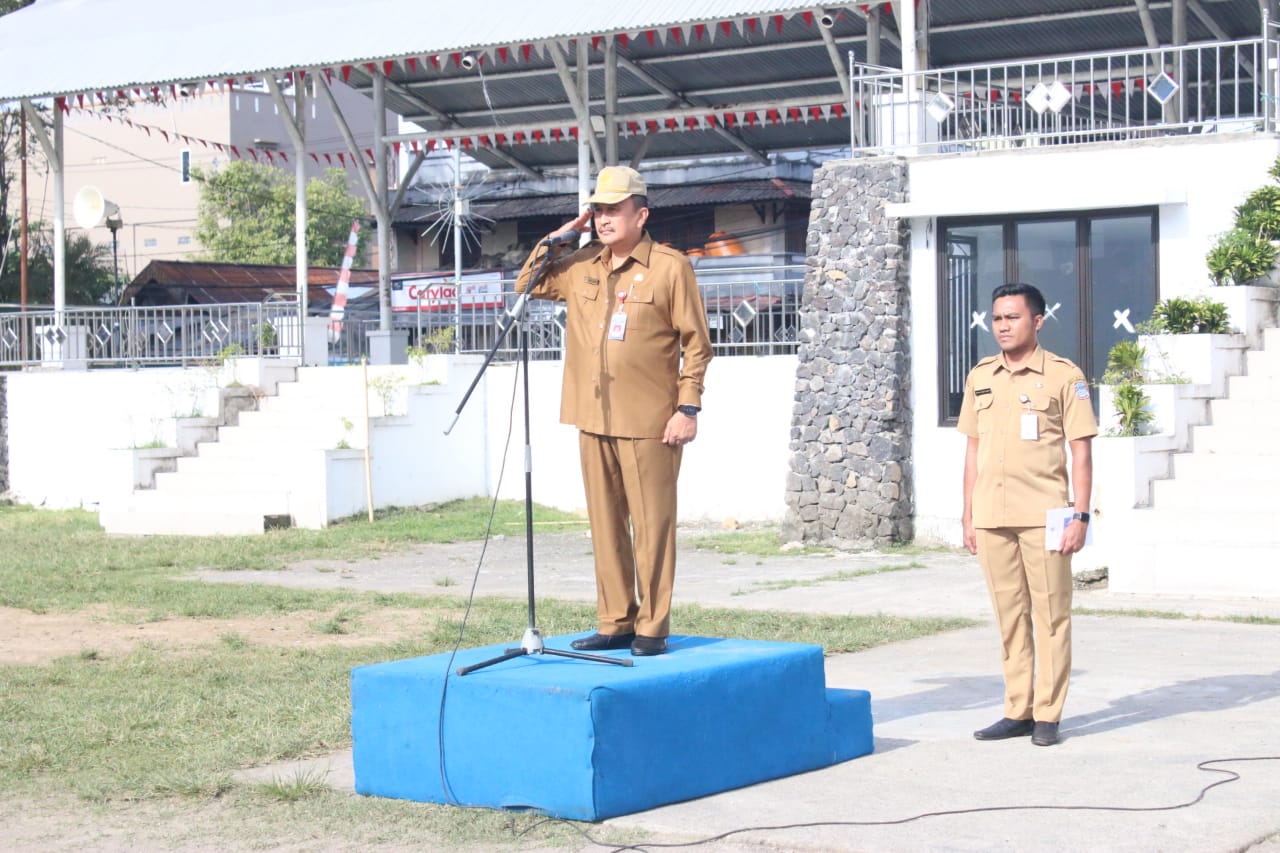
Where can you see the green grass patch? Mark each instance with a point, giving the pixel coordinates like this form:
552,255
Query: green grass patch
757,542
1144,613
834,577
62,560
164,731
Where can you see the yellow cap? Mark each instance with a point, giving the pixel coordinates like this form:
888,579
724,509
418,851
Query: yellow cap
614,183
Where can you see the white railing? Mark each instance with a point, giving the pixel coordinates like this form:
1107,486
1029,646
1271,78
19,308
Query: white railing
138,336
1199,88
751,310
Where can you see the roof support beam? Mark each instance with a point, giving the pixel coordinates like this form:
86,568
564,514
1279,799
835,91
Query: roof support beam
451,121
611,102
905,13
1219,33
647,78
873,35
380,211
575,100
1148,23
50,140
295,126
838,62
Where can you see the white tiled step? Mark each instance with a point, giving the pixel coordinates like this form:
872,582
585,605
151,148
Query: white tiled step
248,459
154,513
1186,567
1234,440
1253,386
1175,527
1207,468
299,435
1186,493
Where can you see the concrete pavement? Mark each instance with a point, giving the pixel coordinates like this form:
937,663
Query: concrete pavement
1150,699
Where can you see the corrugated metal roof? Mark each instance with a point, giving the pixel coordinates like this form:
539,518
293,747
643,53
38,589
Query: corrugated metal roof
209,282
511,110
68,46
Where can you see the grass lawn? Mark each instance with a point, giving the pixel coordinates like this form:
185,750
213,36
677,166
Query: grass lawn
159,731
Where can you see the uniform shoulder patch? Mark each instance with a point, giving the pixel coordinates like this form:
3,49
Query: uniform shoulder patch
1082,389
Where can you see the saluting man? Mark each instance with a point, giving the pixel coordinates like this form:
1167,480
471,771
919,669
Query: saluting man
1021,409
633,306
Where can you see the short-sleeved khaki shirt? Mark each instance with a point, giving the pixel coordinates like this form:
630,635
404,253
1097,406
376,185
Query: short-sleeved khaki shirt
627,388
1019,479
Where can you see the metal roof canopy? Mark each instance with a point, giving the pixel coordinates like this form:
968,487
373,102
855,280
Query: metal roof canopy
675,78
499,75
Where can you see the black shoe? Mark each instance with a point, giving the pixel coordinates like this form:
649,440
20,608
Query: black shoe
1006,728
1045,734
645,646
603,642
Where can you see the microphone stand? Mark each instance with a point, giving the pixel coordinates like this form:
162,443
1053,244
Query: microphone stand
531,643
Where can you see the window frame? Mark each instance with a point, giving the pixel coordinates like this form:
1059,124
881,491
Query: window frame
1084,277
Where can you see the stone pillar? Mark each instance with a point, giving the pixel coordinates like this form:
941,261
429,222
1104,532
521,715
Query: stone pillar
850,477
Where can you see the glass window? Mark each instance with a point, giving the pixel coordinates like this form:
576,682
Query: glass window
1097,272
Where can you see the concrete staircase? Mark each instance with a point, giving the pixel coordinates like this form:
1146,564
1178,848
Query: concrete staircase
1213,526
270,464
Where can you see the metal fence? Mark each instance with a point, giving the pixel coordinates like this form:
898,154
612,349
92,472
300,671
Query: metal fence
133,336
751,310
1200,88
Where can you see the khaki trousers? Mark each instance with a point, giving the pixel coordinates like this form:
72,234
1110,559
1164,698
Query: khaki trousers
631,504
1029,587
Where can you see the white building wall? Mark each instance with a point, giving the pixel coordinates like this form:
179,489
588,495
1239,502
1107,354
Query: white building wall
736,468
65,428
1196,182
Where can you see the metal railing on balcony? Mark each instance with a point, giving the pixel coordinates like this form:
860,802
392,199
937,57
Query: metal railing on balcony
751,310
1197,88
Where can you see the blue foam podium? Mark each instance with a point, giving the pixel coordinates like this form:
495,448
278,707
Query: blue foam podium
588,741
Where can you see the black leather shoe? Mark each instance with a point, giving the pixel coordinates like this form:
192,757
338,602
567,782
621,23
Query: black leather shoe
645,646
1006,728
603,642
1045,734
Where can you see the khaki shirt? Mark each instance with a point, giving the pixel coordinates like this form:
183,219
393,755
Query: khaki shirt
1019,479
626,388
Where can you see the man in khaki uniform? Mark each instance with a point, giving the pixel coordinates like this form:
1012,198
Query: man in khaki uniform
1020,410
633,305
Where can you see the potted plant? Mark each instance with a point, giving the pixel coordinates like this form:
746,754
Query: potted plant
1243,261
1190,340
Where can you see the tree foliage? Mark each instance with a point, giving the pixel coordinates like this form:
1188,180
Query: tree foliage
246,215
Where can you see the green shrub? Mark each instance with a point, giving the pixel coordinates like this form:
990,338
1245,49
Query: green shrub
1131,405
1240,256
1260,213
1124,363
1177,316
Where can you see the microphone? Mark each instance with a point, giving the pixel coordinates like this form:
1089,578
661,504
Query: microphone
566,237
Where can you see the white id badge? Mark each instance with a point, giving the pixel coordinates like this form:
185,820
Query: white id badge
1030,427
618,326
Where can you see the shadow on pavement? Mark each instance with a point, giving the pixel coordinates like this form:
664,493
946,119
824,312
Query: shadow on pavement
1216,693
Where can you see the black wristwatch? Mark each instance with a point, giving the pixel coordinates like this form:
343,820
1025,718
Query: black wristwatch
688,411
1080,516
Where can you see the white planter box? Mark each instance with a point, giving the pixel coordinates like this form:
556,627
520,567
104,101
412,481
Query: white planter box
1175,409
1199,359
1251,308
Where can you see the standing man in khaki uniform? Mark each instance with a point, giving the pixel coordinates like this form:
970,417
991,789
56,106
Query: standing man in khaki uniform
633,305
1020,410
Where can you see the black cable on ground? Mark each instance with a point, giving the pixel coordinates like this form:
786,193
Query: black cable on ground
1205,766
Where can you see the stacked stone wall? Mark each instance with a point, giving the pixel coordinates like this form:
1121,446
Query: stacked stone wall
850,474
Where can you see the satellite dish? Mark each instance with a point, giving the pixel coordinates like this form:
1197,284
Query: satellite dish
90,210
